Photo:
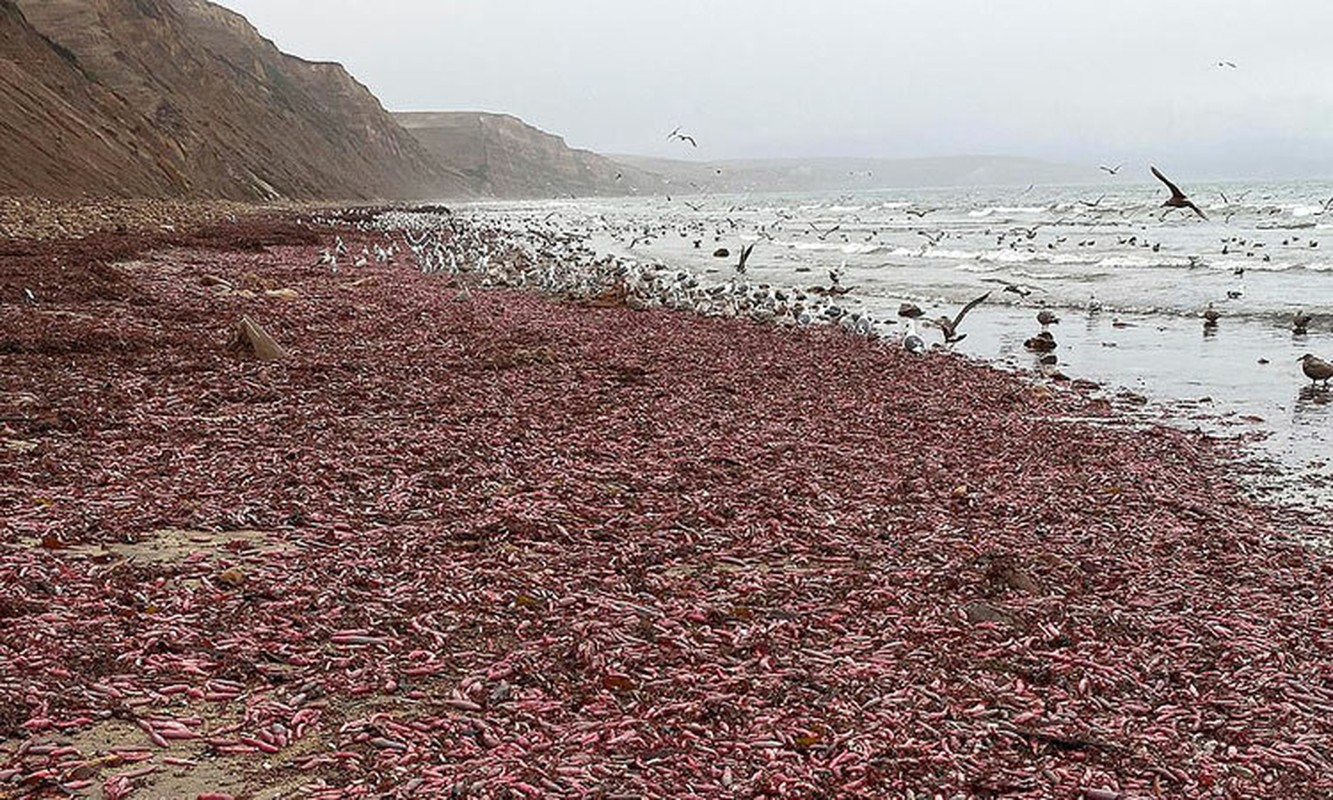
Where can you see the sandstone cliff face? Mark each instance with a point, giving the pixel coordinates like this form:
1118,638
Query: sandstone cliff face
64,135
502,156
183,97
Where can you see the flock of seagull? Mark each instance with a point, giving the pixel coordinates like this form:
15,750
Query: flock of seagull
536,255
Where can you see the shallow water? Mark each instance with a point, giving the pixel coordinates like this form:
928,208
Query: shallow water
1269,245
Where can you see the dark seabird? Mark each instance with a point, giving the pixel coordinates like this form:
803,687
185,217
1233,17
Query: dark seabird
1300,322
949,327
1177,198
1210,317
684,137
910,310
1019,289
1043,342
745,256
1110,170
1047,317
1316,369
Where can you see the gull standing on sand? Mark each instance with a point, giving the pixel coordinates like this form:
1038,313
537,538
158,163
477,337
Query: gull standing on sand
912,341
1300,323
1316,369
1047,318
1177,198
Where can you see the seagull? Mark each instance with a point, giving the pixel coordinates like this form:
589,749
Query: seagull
912,341
912,212
824,234
1043,342
949,327
684,137
1047,317
1178,198
1316,369
910,310
694,206
1300,322
1094,305
1019,289
1110,170
1095,203
1227,64
745,256
1210,317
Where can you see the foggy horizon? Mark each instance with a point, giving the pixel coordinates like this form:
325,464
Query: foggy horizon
1079,84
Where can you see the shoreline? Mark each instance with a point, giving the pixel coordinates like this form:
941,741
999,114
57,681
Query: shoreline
495,540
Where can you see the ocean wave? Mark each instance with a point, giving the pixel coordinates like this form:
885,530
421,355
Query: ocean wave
990,210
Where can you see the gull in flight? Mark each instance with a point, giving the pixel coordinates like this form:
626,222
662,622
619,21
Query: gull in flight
1110,170
745,256
684,137
1177,198
949,327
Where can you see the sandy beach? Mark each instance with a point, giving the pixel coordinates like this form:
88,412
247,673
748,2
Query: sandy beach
482,542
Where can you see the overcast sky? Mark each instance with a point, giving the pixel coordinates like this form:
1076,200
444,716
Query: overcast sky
1077,80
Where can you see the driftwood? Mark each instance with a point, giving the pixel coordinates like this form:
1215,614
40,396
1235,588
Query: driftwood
255,339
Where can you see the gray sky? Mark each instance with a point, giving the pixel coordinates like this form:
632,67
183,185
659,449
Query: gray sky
1076,80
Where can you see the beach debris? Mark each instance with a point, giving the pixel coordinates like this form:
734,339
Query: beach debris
617,568
251,336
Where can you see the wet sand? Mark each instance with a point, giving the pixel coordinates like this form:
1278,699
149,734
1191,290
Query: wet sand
498,543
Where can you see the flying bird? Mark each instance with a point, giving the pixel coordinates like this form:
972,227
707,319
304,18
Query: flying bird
1227,64
949,327
1178,198
919,213
1022,290
684,137
824,234
745,256
1110,170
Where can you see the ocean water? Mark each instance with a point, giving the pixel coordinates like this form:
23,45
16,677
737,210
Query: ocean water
1265,251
